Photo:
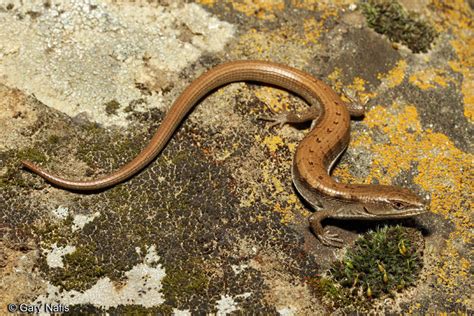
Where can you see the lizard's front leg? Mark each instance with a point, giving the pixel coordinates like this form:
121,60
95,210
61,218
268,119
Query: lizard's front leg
309,114
325,237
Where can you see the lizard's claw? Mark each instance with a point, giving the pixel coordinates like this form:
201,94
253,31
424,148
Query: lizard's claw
329,239
279,119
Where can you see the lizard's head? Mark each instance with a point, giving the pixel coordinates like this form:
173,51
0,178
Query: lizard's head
395,202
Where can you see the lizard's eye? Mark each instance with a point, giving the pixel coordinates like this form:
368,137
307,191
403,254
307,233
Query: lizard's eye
398,205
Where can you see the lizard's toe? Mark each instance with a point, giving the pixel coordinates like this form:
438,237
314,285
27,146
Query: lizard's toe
278,119
332,240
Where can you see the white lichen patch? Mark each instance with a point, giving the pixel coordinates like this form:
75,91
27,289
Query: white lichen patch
178,312
287,311
239,268
151,255
54,256
227,304
61,212
80,56
81,220
142,287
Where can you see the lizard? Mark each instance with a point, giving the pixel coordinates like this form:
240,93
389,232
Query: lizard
314,157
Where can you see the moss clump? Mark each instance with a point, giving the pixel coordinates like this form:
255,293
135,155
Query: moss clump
81,269
111,107
32,154
91,149
54,139
183,283
139,310
389,18
382,261
328,289
10,175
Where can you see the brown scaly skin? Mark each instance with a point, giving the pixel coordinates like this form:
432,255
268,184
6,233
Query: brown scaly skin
313,159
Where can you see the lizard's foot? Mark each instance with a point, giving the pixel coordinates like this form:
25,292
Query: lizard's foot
324,236
355,107
277,119
309,114
330,240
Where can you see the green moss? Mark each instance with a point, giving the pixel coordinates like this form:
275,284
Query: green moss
53,233
389,18
327,287
81,269
180,283
111,107
11,178
96,148
32,154
53,139
11,164
139,310
382,261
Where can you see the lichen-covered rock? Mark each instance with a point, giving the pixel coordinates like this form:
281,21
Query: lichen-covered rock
213,225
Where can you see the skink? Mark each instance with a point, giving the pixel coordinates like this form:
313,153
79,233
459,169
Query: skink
314,157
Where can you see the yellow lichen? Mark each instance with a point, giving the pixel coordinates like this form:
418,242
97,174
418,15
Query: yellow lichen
395,76
334,77
207,2
452,270
329,8
312,30
273,143
358,85
262,9
292,199
443,169
277,185
272,98
285,212
456,18
284,45
430,79
292,147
